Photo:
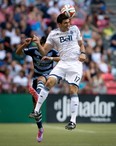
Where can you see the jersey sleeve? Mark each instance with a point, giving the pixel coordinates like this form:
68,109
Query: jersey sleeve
28,51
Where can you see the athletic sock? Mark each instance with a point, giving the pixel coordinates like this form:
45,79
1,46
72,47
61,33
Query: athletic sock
42,97
39,121
40,85
74,107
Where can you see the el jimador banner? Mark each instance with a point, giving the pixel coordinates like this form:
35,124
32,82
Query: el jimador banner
92,108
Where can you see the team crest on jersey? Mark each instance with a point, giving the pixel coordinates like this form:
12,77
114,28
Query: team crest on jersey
71,32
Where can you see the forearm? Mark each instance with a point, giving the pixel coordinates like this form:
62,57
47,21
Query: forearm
20,48
41,49
82,56
56,59
82,47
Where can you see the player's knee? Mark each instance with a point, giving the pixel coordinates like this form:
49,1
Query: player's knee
73,90
50,82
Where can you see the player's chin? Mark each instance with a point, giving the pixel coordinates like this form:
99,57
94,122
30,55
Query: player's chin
67,28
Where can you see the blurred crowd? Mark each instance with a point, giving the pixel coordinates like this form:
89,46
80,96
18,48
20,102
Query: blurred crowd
24,18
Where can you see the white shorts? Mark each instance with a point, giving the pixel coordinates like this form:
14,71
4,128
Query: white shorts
71,71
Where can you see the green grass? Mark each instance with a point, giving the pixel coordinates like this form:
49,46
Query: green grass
56,135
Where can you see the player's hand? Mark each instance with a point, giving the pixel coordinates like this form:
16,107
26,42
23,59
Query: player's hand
46,58
36,39
28,41
82,57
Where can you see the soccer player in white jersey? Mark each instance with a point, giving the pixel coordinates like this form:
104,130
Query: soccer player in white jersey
68,40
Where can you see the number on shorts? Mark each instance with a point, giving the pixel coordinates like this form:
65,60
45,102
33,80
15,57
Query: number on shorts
77,79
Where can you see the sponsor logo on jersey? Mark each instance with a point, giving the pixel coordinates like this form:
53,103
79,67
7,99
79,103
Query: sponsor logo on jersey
65,39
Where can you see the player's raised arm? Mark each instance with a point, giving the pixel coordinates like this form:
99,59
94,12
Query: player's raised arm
22,46
42,49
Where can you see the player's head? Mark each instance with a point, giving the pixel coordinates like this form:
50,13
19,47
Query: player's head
42,40
63,22
61,18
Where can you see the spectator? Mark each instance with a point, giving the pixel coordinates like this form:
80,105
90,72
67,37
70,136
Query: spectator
54,9
108,31
96,55
24,18
98,84
88,36
20,82
14,68
6,82
113,43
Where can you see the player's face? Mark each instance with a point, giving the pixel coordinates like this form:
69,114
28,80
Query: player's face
64,26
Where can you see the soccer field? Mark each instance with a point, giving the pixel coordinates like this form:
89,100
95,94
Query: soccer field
56,135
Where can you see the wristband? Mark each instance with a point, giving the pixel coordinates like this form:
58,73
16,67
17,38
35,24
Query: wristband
83,53
51,58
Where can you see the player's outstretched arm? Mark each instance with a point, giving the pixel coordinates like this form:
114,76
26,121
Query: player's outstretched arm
22,46
56,59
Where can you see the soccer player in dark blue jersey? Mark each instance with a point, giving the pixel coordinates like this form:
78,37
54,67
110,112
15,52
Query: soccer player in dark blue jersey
42,68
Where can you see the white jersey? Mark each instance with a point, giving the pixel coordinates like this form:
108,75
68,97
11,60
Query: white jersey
66,42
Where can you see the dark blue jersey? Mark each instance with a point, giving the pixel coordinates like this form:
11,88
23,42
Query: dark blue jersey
41,67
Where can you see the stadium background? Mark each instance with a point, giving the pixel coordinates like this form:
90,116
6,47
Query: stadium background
98,102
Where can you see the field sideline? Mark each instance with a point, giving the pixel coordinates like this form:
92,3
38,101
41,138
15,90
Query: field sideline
56,135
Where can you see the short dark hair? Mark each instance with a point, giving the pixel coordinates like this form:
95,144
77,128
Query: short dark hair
61,17
43,40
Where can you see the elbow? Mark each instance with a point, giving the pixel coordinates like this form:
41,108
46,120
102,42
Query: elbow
18,52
